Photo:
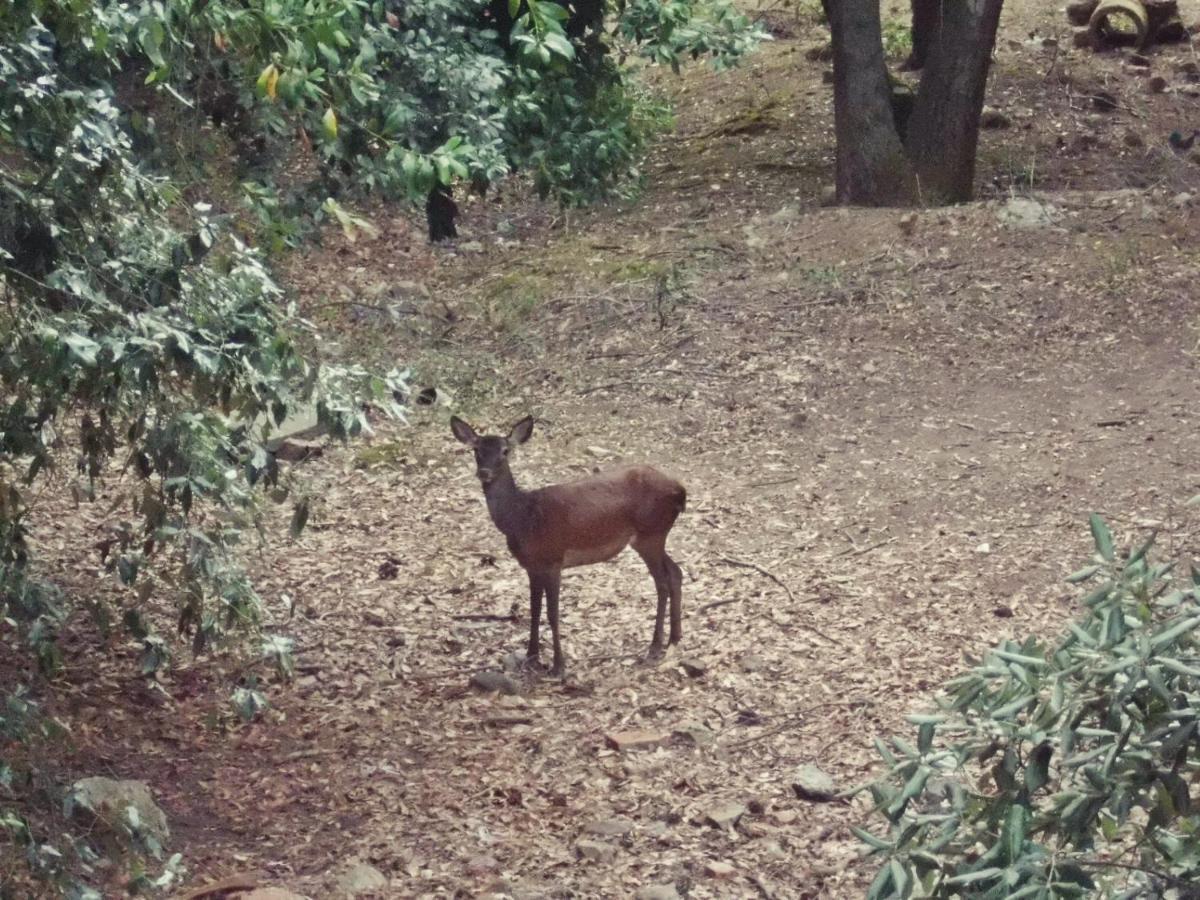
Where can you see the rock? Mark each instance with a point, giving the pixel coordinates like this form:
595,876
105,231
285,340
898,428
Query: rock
696,733
752,662
108,801
827,76
810,783
482,864
718,869
489,680
657,892
908,223
597,851
695,668
609,827
993,118
1025,212
726,815
1182,199
1157,84
294,451
599,452
789,212
361,878
636,740
984,549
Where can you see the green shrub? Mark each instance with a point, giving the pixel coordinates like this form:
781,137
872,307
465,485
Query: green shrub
1064,768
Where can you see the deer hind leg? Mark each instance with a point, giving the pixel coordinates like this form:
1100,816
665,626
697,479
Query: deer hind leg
537,587
675,584
651,549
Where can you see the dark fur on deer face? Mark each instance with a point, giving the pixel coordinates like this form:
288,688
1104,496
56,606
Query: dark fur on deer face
578,523
491,451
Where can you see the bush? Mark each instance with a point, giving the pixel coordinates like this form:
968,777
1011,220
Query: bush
1063,769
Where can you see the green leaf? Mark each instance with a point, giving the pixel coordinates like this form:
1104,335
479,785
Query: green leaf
1102,538
875,843
82,348
329,124
1083,574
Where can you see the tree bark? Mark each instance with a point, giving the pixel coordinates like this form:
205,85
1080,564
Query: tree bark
872,168
943,133
925,17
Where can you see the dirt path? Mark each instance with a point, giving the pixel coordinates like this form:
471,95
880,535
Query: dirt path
891,431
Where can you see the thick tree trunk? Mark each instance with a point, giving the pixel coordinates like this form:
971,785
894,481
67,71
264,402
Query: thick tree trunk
872,169
943,132
925,17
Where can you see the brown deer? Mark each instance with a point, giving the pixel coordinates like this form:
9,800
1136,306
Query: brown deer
579,523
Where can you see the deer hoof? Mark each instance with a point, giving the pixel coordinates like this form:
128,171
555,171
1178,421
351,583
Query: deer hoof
655,652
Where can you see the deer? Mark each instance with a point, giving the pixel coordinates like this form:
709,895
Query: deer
578,523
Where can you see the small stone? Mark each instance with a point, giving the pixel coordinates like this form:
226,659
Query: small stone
599,452
490,680
657,892
695,668
811,783
108,801
609,827
1157,84
717,869
597,851
984,548
696,733
1002,612
908,223
1182,199
752,662
471,246
361,878
827,76
639,739
993,118
481,865
726,815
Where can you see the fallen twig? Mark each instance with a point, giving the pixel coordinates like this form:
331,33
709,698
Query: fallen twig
716,603
858,551
729,560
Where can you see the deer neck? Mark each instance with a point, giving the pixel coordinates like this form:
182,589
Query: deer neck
508,505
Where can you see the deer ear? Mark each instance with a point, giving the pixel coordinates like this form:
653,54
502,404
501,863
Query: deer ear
521,431
463,431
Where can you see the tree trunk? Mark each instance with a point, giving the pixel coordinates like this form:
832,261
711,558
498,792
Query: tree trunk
925,17
943,132
872,169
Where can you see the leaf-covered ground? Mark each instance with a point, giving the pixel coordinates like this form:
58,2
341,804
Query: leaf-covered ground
891,428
